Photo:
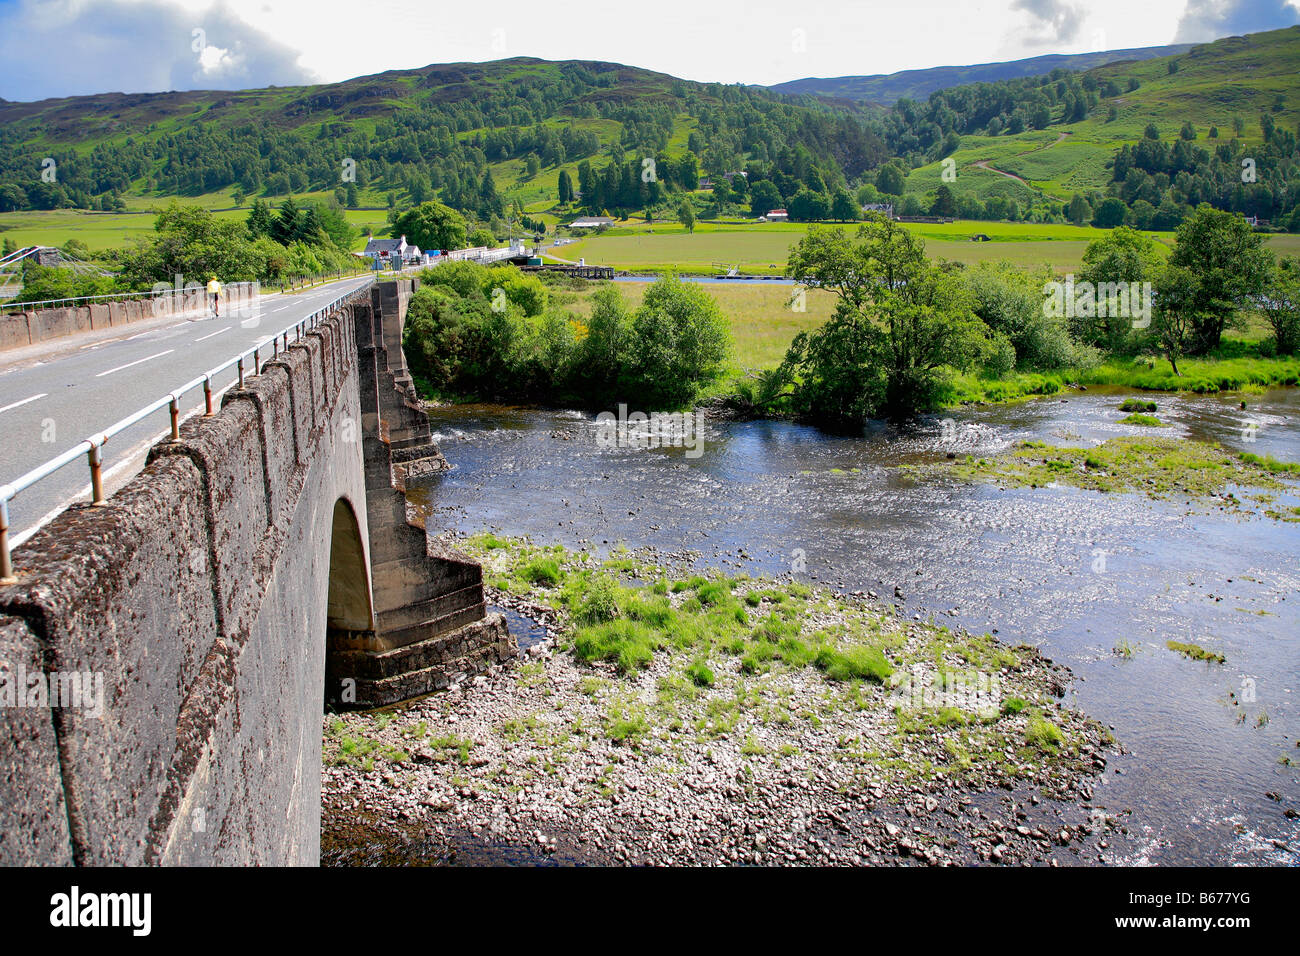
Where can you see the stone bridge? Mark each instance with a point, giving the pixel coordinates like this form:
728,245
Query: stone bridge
165,657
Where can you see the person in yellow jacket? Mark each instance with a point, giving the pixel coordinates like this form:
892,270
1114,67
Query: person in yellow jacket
214,294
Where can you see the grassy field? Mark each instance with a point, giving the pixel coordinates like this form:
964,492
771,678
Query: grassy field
761,249
761,317
763,323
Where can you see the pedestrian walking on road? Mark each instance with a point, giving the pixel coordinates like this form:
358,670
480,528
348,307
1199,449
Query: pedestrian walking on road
214,295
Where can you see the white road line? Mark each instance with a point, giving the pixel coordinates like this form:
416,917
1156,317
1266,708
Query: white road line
136,362
24,401
218,332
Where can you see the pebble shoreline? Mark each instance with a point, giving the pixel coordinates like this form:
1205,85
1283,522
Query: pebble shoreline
826,784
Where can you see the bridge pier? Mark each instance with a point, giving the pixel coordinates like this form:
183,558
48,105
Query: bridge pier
431,626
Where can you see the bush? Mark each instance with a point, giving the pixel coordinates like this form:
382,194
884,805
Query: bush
700,675
545,571
600,603
853,663
630,644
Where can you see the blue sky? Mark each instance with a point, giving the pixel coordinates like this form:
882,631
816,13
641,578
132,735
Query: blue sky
66,47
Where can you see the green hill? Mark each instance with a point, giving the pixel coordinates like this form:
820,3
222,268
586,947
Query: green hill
1142,140
1237,99
888,88
441,130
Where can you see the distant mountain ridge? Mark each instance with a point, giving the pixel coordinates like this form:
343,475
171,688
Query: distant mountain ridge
888,88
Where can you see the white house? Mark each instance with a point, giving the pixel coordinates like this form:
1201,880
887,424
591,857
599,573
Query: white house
591,222
393,253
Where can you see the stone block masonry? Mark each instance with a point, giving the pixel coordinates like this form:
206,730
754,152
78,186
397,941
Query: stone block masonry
209,596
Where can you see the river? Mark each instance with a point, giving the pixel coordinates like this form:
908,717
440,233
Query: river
1209,772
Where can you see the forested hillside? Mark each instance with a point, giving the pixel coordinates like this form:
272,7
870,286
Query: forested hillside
1136,142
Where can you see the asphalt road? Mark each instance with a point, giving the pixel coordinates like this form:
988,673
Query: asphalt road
50,403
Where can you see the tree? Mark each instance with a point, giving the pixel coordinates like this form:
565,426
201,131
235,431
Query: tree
1109,213
482,236
809,206
686,215
679,340
1078,210
286,225
890,179
259,219
566,187
189,241
1281,306
945,204
897,320
763,198
1121,256
1226,263
1175,314
431,225
843,206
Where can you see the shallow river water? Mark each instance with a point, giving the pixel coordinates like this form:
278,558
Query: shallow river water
1209,772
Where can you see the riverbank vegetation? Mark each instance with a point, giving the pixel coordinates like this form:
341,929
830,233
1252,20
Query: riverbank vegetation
493,332
682,659
874,328
1159,467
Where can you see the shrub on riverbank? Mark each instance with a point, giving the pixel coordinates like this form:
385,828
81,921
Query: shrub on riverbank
496,333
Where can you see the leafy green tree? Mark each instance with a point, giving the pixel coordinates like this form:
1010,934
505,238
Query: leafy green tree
679,340
1281,306
897,321
686,215
1123,255
1109,213
41,283
809,206
431,225
843,207
763,198
1078,210
1174,320
890,179
566,187
1226,263
945,204
481,236
191,242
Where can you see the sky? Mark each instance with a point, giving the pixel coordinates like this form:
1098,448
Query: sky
68,47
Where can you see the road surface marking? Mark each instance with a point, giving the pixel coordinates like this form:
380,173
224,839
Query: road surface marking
218,332
24,401
136,362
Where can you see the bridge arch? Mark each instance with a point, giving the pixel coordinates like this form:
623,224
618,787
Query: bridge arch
349,605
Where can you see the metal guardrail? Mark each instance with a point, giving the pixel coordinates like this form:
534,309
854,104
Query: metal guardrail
9,307
91,447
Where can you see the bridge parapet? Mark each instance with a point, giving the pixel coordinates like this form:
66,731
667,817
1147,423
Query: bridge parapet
196,601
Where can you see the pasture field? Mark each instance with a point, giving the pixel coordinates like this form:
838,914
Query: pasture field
761,318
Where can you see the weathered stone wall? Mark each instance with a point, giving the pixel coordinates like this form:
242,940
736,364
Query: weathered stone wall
31,326
199,592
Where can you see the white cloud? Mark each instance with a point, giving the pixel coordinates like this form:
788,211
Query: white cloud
67,47
1210,19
